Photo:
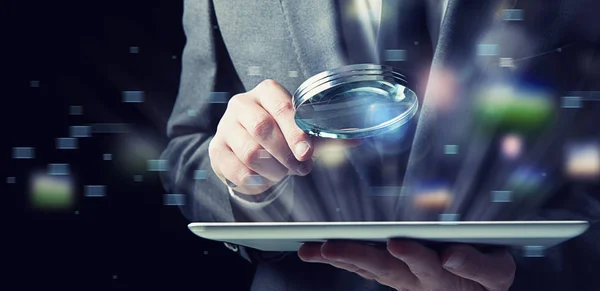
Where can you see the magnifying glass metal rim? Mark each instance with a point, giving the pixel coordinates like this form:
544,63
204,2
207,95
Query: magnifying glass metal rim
349,68
328,83
349,74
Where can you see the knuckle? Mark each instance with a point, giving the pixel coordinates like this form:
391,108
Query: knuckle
241,175
252,153
235,101
262,126
283,108
268,83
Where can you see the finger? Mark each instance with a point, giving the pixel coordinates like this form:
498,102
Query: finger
494,271
263,129
252,154
369,258
423,262
277,101
311,252
233,172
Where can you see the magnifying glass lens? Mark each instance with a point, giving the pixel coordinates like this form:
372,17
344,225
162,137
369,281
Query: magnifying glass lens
357,105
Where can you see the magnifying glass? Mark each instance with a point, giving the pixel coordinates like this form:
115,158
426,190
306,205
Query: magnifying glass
353,102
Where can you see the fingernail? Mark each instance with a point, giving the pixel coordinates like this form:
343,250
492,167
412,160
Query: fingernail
456,260
301,148
302,169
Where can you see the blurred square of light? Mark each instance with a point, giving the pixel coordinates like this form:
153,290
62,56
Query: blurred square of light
80,131
133,96
586,95
583,161
438,198
512,14
450,149
254,180
385,191
507,63
34,83
219,97
533,251
134,49
293,74
23,153
138,178
449,217
395,55
571,102
501,196
487,50
254,71
511,146
110,128
157,165
94,190
58,169
76,110
51,192
174,57
200,175
11,180
66,143
107,157
174,199
192,112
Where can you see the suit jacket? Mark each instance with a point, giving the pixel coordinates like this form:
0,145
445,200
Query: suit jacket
232,45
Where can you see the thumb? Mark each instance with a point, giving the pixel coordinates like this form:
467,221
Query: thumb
495,271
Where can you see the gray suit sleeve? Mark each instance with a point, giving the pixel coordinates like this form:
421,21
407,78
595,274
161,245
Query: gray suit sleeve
206,69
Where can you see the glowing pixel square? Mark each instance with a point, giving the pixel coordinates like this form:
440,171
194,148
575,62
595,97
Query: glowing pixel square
254,180
11,180
174,199
107,157
174,57
80,131
533,251
138,178
76,110
157,165
58,169
501,196
66,143
134,49
51,192
23,153
507,63
571,102
200,175
395,55
34,84
133,96
512,14
451,149
293,74
192,112
583,161
487,50
254,71
94,190
219,97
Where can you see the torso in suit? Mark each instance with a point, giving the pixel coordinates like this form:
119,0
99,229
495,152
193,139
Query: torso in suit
232,45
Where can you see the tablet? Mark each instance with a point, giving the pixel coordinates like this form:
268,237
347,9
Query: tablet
288,236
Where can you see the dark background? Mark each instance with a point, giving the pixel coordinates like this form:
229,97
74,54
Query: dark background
79,51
